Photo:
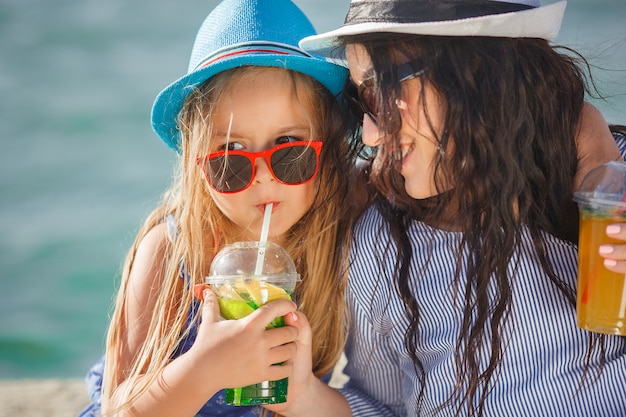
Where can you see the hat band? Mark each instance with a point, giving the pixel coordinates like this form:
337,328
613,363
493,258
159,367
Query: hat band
254,48
410,11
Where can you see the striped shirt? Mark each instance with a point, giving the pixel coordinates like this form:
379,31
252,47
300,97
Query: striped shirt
544,350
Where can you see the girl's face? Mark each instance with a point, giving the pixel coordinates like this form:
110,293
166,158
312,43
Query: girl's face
415,139
265,113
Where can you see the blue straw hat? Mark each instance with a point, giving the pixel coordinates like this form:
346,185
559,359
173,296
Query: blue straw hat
239,33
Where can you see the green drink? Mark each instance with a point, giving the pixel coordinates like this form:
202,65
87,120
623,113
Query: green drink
244,277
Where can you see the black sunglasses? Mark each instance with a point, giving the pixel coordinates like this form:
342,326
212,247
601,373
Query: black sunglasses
363,100
291,163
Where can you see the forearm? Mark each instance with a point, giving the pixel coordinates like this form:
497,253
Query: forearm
177,390
320,400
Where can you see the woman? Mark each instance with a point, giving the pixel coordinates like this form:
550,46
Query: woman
463,272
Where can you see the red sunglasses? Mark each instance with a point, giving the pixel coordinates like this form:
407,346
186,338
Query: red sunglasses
291,163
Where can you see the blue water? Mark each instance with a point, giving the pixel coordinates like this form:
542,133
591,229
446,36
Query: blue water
80,167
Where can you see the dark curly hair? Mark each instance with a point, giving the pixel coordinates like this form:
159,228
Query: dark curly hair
511,110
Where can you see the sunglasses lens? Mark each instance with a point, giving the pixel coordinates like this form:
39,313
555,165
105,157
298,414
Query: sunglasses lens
368,100
294,164
352,99
229,173
362,100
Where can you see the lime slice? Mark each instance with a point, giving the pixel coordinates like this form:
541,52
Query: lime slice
277,322
234,309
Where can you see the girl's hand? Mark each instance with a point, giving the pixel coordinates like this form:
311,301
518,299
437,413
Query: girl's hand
307,394
235,353
615,255
302,377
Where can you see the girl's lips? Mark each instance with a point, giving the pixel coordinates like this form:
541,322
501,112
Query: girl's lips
261,207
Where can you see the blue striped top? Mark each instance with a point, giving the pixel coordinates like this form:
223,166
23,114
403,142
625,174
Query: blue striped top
544,351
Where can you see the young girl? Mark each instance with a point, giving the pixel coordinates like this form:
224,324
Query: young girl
255,121
463,273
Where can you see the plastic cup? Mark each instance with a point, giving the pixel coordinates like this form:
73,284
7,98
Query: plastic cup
241,287
601,294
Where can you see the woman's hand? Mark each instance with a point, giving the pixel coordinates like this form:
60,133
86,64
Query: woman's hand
615,254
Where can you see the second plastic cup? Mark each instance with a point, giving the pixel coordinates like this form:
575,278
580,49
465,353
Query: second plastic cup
242,285
601,294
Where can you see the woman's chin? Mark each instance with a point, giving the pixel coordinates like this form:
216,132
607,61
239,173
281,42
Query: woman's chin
419,191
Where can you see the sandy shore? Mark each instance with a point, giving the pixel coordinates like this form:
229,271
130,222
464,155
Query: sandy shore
64,397
42,397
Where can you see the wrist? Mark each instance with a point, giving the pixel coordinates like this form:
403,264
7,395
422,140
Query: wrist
319,400
195,379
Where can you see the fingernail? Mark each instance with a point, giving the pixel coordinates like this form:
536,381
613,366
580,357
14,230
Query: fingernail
205,294
610,262
613,229
606,249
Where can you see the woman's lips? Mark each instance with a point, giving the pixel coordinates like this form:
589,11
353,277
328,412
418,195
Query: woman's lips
405,153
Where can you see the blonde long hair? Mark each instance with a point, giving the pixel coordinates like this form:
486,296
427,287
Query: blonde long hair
318,241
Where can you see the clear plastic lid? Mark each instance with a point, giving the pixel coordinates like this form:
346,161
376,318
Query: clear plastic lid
240,259
604,186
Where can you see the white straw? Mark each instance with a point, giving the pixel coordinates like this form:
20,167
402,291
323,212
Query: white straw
264,232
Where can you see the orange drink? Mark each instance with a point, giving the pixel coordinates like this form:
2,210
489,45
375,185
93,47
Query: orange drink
601,295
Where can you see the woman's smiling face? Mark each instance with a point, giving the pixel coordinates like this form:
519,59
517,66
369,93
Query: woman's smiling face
418,145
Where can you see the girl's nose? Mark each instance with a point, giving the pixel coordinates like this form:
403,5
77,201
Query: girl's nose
371,134
262,172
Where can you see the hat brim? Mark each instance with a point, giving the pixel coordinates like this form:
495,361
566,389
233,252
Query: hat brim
169,102
541,22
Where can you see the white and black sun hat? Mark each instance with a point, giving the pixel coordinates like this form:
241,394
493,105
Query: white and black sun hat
504,18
